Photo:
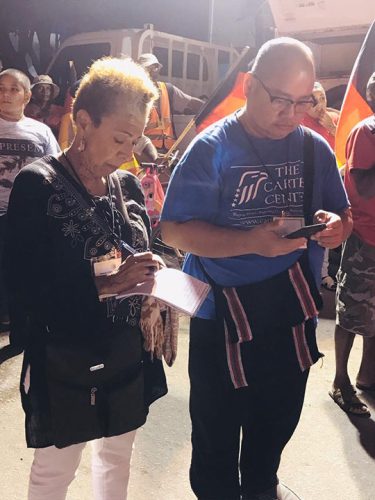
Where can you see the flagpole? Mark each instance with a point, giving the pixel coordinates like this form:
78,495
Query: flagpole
178,141
211,8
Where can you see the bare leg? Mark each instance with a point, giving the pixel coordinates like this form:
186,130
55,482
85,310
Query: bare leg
343,346
342,392
366,373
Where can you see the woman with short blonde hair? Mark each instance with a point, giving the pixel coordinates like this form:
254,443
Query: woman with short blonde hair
85,374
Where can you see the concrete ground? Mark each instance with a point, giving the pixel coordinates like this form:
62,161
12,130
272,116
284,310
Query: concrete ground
331,456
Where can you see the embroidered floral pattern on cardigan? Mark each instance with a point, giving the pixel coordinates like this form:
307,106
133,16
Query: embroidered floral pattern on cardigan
82,225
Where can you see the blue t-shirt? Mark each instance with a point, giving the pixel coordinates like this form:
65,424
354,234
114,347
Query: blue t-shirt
232,180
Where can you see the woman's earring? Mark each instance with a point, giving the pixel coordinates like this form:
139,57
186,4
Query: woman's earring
82,145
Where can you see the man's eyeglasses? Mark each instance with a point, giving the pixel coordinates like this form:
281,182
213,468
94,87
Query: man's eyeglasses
283,104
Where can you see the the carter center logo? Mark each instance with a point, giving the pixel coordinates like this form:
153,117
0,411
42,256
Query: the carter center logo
248,187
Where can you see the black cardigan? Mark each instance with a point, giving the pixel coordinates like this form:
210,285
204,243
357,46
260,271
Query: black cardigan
53,231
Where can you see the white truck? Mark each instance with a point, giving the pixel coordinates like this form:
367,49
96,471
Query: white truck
194,66
334,29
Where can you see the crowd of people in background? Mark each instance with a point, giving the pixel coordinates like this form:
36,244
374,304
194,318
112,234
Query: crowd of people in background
62,204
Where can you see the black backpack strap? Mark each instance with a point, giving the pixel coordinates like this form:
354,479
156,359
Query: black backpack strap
308,175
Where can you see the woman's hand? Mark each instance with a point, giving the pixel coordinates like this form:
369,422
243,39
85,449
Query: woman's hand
136,269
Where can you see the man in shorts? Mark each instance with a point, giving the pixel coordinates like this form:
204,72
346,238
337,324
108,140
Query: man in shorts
356,277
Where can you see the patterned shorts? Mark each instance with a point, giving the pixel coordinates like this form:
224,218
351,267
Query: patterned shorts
355,299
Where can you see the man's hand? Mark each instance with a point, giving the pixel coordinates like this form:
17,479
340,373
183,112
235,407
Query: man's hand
270,244
333,235
208,240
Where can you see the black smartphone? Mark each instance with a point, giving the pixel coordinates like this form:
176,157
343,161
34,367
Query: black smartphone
306,231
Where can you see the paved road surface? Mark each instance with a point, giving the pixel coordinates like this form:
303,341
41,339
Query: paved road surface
330,457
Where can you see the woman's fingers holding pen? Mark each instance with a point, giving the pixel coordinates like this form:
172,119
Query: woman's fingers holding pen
138,268
135,269
145,258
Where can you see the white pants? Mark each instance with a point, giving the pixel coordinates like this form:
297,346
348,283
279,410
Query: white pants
53,469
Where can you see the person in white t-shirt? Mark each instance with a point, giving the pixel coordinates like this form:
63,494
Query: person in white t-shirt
22,140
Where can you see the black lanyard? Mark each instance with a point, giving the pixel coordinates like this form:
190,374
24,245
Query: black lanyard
104,205
265,167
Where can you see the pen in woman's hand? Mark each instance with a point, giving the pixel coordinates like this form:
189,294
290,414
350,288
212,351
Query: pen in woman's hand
132,251
128,248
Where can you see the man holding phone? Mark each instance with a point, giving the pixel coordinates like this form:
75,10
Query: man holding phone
253,340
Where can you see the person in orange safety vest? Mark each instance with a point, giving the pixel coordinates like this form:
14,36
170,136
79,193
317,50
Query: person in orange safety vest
160,128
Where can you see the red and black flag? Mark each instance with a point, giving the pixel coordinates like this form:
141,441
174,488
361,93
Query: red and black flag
228,95
355,107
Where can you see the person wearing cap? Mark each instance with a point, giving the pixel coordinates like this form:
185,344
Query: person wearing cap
160,128
41,106
356,277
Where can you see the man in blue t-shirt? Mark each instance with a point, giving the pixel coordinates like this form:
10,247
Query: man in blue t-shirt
253,340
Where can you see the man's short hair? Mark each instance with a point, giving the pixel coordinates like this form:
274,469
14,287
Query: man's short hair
19,76
271,54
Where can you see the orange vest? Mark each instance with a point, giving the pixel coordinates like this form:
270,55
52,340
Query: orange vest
159,128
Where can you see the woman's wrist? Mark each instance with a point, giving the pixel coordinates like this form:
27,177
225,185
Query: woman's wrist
102,284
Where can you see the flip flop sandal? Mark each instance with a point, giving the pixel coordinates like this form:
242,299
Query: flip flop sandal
366,388
349,402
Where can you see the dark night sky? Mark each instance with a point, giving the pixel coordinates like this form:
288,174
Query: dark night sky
186,18
233,19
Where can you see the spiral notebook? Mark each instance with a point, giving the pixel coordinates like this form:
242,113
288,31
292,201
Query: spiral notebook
173,287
